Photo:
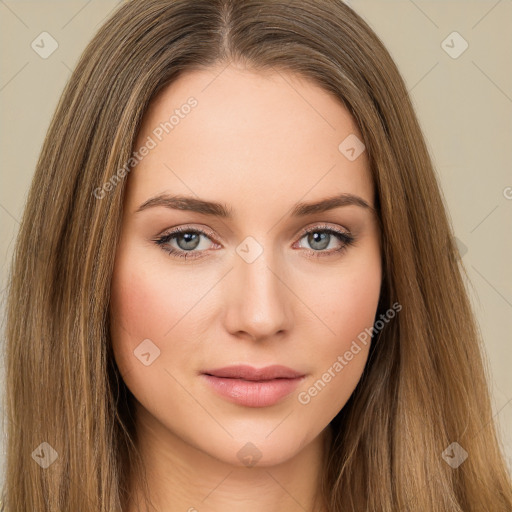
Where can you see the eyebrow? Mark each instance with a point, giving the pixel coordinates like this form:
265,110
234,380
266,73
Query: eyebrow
215,209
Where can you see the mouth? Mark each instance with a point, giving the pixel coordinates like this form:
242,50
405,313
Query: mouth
249,373
253,387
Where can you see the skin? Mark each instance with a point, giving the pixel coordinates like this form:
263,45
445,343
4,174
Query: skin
258,143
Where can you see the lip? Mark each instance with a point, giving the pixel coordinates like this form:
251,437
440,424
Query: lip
253,387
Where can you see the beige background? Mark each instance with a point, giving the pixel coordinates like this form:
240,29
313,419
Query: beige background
464,105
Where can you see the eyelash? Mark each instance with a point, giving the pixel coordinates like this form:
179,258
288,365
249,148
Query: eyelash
346,238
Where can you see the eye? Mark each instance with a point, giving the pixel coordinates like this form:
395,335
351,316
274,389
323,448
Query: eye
187,240
319,238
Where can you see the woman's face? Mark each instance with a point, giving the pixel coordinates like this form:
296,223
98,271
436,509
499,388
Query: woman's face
246,283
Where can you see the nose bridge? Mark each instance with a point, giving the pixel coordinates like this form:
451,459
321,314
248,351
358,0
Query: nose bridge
258,302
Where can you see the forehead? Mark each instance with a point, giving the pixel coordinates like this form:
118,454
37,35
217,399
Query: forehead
244,137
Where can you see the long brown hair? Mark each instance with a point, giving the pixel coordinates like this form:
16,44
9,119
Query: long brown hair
424,385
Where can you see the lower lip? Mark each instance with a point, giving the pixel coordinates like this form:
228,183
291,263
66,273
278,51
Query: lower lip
253,393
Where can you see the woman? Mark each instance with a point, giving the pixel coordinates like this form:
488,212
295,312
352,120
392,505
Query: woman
235,283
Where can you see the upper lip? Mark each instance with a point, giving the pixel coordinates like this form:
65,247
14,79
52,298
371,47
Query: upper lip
246,372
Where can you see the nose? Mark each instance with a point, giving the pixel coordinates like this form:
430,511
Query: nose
258,299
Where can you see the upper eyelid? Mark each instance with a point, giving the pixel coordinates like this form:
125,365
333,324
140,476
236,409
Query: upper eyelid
206,231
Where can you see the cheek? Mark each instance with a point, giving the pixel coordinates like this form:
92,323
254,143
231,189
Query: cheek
137,307
347,301
152,312
148,304
345,298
